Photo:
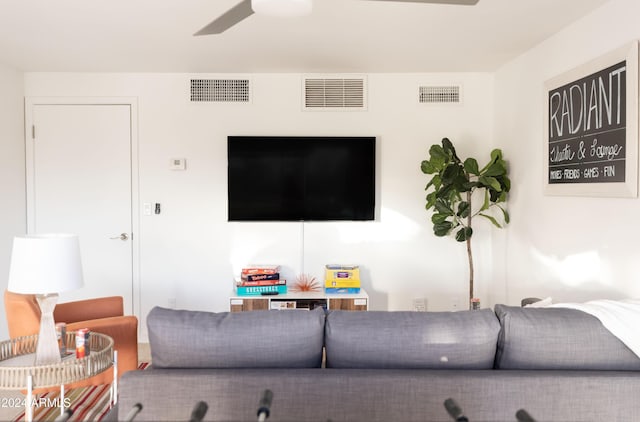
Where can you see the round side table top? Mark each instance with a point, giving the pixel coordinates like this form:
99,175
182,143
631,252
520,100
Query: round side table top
17,357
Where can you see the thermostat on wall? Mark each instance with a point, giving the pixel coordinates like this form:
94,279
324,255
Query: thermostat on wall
178,164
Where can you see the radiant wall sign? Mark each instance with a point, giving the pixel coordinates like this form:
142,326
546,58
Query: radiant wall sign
587,129
591,130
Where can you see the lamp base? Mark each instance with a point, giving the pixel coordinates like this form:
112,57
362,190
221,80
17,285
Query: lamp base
47,350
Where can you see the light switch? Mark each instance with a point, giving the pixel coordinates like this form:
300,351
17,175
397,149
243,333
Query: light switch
146,208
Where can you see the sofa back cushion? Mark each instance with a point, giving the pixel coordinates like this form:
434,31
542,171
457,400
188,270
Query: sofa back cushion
254,339
558,338
440,340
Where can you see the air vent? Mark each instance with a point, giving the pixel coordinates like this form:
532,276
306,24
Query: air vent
334,93
220,90
439,94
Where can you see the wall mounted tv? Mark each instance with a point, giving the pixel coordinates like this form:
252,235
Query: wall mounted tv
301,178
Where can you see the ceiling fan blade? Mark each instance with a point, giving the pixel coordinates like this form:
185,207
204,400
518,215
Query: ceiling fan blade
458,2
231,17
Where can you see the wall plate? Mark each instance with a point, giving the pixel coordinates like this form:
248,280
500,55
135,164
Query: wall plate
178,164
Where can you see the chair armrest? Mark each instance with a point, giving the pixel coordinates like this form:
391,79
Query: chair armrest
124,332
84,310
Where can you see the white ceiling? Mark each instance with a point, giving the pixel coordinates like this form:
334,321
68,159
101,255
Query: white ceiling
339,36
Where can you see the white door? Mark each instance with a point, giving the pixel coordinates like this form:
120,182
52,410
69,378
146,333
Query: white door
79,180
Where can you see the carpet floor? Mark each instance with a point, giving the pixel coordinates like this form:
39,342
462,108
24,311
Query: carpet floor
90,403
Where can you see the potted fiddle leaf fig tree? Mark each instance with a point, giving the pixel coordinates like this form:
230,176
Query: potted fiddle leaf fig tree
461,190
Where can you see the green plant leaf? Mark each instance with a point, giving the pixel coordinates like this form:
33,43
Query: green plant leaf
464,209
461,182
471,166
505,182
438,218
496,169
493,220
449,148
450,173
491,182
443,207
442,229
463,234
437,181
428,167
445,191
438,156
505,214
496,154
431,200
469,186
487,203
454,197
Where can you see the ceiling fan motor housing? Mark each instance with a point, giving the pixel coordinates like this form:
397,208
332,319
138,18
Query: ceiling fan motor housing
284,8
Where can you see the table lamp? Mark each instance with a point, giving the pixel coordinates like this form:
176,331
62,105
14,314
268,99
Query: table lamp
45,265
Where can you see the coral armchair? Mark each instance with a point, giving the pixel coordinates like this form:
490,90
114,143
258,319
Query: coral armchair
102,315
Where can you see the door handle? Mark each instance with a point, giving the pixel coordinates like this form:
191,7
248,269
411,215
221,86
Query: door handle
123,237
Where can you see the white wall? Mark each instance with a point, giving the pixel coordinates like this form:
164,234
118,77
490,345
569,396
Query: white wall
191,253
569,248
12,170
566,247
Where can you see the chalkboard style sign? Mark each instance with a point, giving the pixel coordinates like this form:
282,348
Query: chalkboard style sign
591,128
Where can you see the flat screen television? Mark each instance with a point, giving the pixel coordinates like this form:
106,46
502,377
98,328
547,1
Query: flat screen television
301,178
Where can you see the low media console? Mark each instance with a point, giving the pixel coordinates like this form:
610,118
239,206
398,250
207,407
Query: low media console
301,300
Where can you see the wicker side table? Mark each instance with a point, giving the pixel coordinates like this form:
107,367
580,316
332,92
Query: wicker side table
18,371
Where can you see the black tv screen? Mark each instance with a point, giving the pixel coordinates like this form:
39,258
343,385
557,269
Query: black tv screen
301,178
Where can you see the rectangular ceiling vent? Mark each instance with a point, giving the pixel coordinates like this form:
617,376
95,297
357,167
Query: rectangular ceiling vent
334,93
220,90
439,94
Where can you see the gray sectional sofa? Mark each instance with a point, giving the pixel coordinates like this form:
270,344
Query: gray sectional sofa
557,364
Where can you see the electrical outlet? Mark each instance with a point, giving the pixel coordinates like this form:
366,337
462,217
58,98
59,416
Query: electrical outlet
420,304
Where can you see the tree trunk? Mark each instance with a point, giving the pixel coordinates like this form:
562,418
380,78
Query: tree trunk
469,253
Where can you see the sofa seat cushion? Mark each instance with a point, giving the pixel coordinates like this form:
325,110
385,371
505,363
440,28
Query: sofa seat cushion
427,340
254,339
558,338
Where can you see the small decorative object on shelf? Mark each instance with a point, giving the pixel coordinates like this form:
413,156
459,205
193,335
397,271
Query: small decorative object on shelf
475,304
261,290
261,269
306,283
261,280
341,278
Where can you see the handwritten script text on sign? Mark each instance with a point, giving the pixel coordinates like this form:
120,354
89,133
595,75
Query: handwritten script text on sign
587,128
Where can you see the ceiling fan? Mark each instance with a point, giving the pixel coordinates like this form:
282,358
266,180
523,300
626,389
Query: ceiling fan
246,8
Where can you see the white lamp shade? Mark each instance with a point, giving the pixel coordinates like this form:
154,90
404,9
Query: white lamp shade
282,7
45,263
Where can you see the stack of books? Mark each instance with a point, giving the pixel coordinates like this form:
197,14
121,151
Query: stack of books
256,280
341,278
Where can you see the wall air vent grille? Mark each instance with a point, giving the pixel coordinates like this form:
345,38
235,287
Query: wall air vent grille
334,93
220,90
439,94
